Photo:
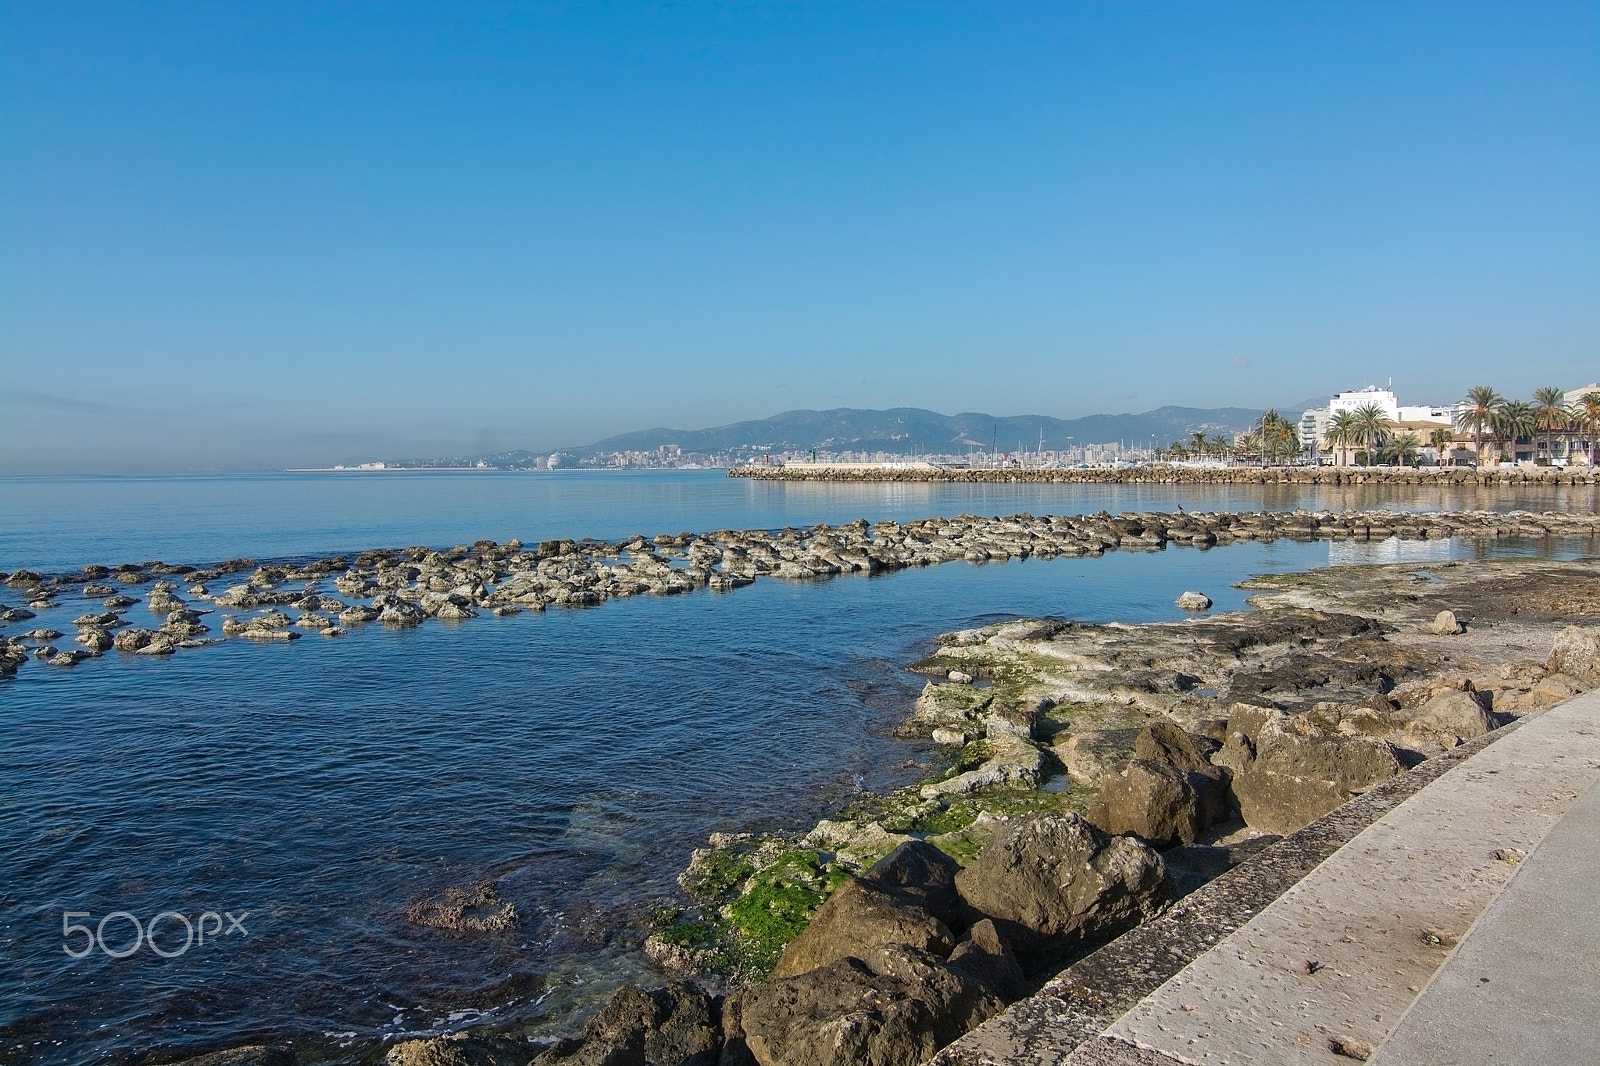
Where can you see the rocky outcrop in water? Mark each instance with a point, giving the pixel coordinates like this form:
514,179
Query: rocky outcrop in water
409,587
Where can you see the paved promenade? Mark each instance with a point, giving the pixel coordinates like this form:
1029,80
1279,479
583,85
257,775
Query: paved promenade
1459,923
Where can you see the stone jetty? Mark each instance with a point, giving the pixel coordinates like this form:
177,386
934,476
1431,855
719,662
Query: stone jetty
403,587
1181,474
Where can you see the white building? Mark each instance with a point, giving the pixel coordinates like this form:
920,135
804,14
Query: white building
1571,399
1410,417
1312,428
1371,396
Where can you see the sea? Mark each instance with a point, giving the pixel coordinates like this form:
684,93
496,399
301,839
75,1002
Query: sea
219,847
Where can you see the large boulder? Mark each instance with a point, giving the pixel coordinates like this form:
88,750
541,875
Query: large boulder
895,1007
1052,881
1168,792
1288,771
1576,653
677,1025
908,897
1451,718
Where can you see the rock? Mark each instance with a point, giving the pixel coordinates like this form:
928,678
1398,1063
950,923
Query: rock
906,898
1011,762
1092,754
459,1049
1576,653
357,614
958,708
1160,804
42,635
1452,718
1288,772
95,639
265,634
132,639
1168,793
857,843
986,957
1194,601
895,1007
1050,882
252,1055
67,658
959,677
16,614
1444,624
673,1026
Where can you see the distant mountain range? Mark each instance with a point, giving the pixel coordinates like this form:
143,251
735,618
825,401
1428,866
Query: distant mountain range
911,430
902,431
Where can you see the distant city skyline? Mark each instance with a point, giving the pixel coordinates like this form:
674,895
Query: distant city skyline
266,237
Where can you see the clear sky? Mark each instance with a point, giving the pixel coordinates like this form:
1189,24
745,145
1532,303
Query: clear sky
279,233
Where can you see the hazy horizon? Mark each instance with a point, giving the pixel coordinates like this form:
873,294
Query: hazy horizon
256,238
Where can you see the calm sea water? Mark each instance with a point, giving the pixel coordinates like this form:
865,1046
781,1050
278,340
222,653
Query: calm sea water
576,756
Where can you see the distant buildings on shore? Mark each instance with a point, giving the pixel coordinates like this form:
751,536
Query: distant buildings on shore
1425,420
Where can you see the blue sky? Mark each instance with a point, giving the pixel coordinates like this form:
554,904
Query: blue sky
255,235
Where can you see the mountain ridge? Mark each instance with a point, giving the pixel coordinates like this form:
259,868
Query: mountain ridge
912,430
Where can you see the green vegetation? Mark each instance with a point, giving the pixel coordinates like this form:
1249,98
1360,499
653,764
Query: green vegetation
779,902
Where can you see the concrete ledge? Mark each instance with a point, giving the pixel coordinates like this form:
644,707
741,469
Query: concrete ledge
1245,986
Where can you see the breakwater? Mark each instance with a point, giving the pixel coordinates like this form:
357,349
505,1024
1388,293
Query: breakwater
409,586
1186,475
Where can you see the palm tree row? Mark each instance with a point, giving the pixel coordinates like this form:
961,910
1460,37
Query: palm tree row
1503,420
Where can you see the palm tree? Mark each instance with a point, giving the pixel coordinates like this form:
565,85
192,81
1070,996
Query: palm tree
1550,416
1370,427
1586,417
1440,439
1401,448
1478,415
1219,446
1197,443
1275,435
1177,450
1342,433
1513,420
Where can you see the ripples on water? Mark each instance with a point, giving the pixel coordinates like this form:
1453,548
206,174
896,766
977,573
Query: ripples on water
578,756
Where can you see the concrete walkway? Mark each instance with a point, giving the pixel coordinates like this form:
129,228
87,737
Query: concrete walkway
1358,959
1524,986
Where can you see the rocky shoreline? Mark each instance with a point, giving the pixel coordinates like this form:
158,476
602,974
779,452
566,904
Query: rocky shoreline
1093,776
404,587
1181,474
